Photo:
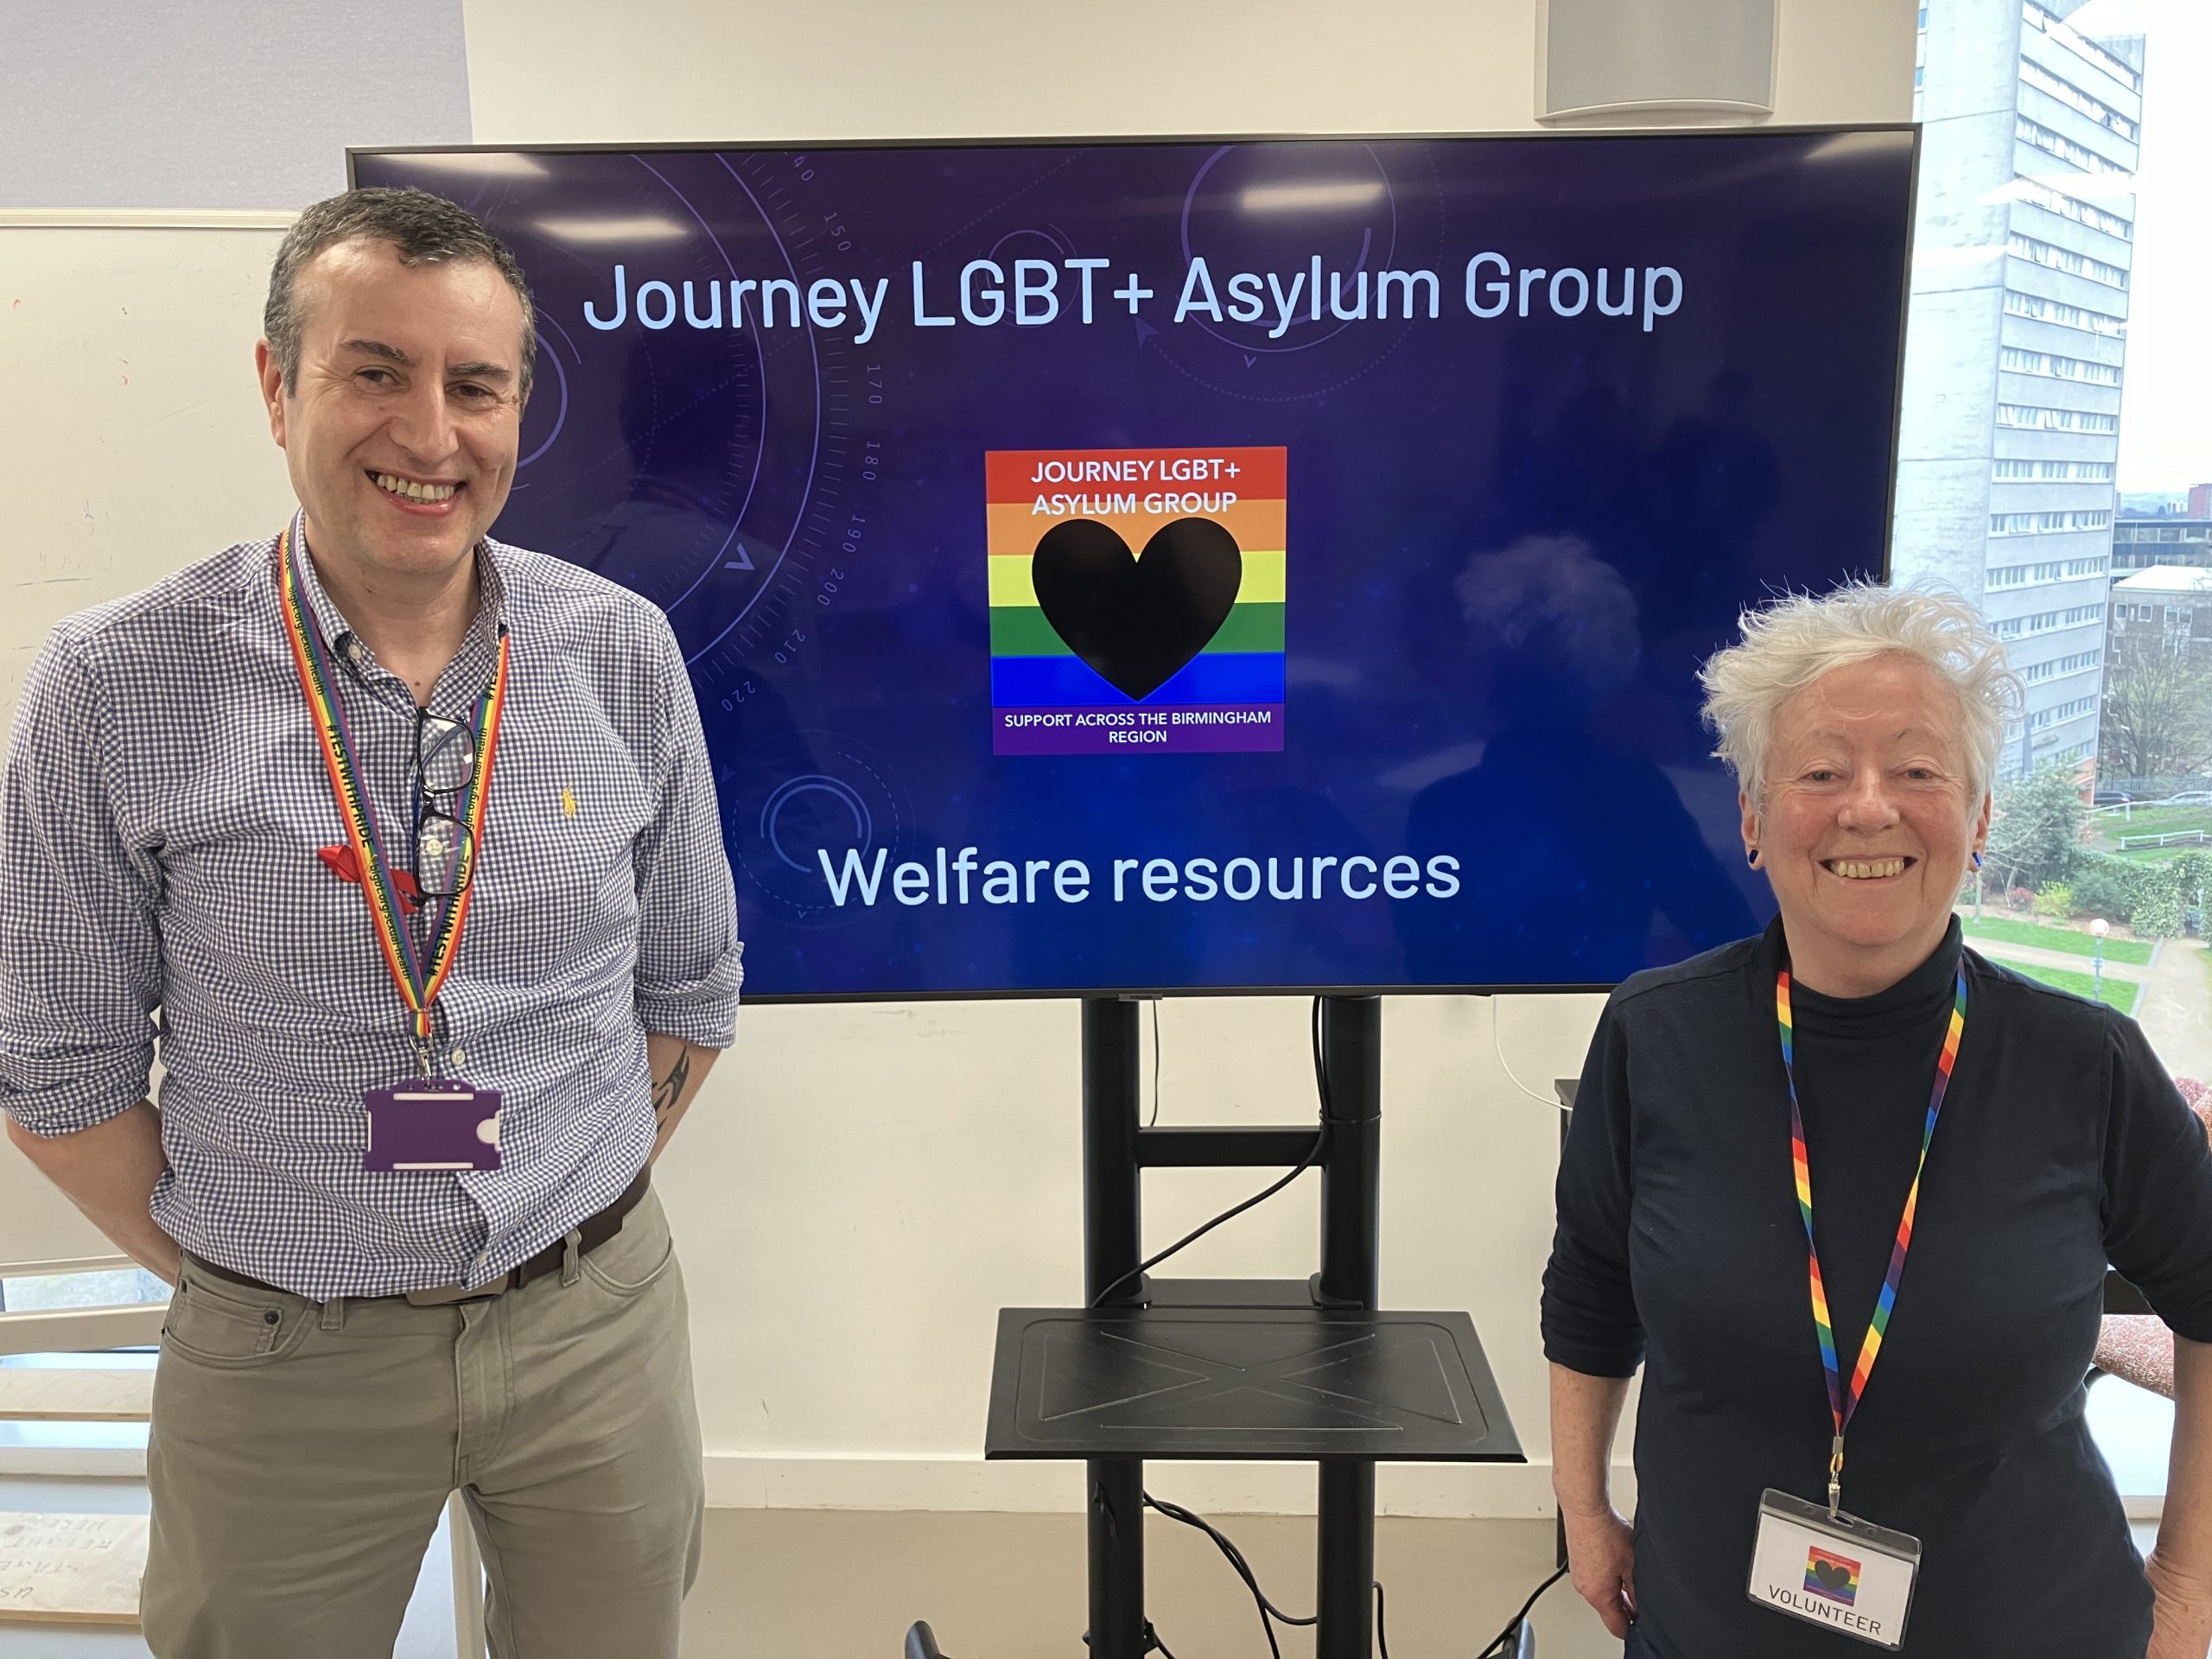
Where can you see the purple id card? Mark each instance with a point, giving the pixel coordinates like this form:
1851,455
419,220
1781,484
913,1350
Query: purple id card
432,1125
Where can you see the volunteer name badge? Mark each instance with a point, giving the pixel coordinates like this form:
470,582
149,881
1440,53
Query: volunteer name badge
1844,1574
433,1125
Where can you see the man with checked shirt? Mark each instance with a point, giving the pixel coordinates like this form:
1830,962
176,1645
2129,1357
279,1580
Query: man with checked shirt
470,910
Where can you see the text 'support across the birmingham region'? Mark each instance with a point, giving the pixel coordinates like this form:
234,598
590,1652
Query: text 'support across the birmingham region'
1204,565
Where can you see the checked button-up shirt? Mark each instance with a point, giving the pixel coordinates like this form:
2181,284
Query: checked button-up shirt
163,813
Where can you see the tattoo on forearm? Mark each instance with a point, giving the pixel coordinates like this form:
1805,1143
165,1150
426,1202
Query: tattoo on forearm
669,1088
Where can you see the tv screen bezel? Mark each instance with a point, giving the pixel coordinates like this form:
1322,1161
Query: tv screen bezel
1912,130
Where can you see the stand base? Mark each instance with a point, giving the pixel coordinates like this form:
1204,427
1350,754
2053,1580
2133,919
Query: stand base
1275,1382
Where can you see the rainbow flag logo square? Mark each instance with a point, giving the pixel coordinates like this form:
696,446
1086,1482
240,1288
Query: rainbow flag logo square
1136,600
1835,1577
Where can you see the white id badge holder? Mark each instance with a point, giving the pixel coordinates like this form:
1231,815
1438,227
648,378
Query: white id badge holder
1846,1575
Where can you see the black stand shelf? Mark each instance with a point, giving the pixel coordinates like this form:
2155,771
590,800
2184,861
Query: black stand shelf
1289,1369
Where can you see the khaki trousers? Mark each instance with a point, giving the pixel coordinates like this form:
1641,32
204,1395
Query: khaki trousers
301,1455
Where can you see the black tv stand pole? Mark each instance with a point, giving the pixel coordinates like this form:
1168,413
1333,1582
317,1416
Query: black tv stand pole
1112,1210
1116,1152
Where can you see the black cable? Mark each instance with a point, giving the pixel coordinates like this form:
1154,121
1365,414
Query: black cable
1313,1154
1381,1634
1501,1646
1154,1118
1268,1612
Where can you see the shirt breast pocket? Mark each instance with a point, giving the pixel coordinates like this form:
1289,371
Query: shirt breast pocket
554,890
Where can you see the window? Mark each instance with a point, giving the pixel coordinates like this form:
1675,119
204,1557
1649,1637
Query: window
2051,24
2061,713
2044,621
2081,213
2054,143
2066,316
2065,259
2073,97
2035,673
2004,446
2039,524
2082,471
2060,368
2055,420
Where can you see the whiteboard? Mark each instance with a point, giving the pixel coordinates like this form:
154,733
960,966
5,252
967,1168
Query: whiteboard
133,441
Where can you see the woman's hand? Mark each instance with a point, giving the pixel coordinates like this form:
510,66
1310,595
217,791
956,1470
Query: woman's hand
2181,1626
1601,1564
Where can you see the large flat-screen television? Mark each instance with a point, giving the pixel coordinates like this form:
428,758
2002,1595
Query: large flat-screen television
1211,565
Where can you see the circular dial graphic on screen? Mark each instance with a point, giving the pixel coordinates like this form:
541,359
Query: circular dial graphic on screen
690,435
1347,251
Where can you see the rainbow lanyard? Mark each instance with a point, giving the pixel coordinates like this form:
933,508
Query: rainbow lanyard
1845,1406
419,977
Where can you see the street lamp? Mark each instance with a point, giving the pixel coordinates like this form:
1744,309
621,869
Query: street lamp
2099,928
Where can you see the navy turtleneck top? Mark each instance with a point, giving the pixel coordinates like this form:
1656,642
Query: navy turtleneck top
2062,1145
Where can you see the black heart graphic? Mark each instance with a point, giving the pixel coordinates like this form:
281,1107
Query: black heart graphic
1136,621
1834,1575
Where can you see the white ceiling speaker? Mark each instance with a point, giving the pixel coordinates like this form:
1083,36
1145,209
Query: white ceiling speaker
1597,59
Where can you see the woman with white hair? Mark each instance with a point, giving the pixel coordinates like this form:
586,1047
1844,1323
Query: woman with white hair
1848,1191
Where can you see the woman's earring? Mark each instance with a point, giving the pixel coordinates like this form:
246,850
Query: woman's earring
1752,857
1977,858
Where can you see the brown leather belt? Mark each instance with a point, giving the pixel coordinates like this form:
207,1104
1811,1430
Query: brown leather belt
593,1231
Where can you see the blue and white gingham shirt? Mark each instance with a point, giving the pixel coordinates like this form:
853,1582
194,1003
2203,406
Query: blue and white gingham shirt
162,807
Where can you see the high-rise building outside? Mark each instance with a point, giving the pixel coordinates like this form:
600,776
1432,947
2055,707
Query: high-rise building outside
2010,436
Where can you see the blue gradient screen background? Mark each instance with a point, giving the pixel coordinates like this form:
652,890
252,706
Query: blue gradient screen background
1511,539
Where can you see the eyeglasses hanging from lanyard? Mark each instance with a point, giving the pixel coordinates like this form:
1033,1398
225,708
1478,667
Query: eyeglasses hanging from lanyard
445,844
1843,1403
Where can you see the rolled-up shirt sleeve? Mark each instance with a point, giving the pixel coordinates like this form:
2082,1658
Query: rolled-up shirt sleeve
2158,1185
1590,1320
81,954
691,960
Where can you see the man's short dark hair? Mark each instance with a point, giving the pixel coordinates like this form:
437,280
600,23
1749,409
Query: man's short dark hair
423,229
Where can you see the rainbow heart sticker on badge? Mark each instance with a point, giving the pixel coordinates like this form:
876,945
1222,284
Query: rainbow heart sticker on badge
1835,1577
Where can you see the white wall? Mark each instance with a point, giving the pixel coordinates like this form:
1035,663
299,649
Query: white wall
862,1188
219,104
132,441
681,70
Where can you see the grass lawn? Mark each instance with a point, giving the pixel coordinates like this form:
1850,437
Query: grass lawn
2006,931
2121,994
2152,821
2156,854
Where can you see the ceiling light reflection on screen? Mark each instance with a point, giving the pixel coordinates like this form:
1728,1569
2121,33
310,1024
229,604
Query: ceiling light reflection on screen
1304,198
490,164
614,230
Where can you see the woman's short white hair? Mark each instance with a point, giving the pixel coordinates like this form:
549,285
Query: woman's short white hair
1789,644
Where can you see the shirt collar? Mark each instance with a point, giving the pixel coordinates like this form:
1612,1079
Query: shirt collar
479,646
